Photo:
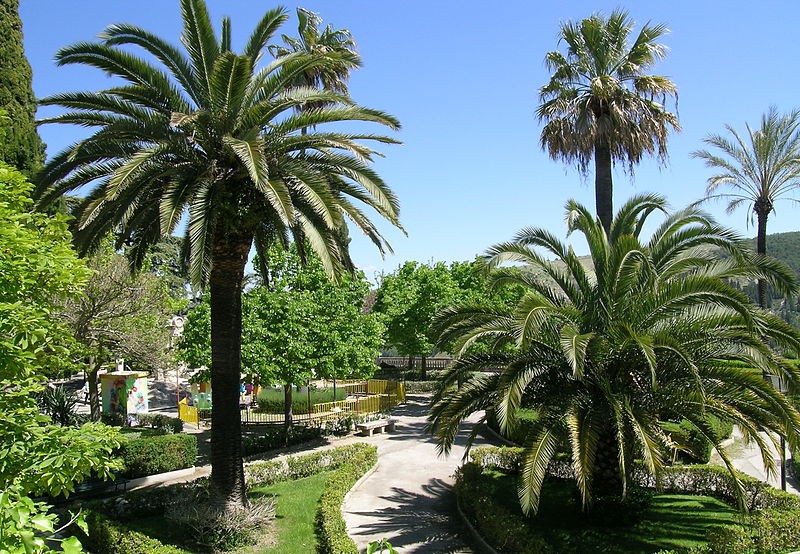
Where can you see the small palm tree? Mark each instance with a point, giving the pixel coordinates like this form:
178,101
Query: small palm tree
603,351
216,136
756,170
601,103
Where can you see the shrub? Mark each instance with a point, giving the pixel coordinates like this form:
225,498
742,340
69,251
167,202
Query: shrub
506,530
614,511
271,400
417,387
219,529
689,436
296,467
160,421
702,480
331,528
777,530
61,404
149,455
277,436
112,537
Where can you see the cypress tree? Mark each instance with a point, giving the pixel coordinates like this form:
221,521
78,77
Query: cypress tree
20,144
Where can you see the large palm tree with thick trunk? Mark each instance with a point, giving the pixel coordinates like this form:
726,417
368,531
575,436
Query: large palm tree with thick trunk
756,170
601,103
604,350
214,135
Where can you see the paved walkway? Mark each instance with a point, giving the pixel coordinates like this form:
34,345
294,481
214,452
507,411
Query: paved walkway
407,499
747,459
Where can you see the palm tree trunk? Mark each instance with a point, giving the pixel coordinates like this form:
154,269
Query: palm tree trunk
229,256
606,476
603,185
761,248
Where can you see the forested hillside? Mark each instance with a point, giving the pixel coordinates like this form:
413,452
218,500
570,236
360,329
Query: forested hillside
785,247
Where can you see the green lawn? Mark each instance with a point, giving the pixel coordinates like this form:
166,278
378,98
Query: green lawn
296,507
672,521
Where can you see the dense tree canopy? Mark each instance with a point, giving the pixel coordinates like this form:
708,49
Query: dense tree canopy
20,145
37,268
300,327
602,352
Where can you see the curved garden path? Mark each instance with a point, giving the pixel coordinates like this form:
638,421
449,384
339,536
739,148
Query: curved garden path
407,498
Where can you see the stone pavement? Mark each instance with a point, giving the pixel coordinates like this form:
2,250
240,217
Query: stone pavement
747,459
408,499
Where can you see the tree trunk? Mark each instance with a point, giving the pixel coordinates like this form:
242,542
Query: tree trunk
411,363
607,477
423,371
288,417
94,396
229,256
603,185
761,248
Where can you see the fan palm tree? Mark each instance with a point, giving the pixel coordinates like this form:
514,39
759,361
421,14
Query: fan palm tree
214,135
602,104
756,170
603,351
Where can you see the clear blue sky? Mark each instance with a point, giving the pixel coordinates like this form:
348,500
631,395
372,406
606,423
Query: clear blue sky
463,78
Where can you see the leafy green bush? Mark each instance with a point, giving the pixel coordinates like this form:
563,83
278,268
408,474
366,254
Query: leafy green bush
149,455
160,421
61,404
296,467
689,436
505,530
417,387
271,400
112,537
702,480
614,511
331,529
278,436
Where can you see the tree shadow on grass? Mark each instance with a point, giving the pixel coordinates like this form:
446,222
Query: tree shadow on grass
427,520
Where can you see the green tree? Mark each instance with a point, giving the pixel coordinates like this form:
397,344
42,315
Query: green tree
602,352
118,315
20,145
301,327
602,104
756,170
215,134
407,301
37,266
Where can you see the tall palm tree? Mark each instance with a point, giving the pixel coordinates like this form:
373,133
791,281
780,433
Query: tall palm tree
602,104
756,170
215,135
603,352
337,45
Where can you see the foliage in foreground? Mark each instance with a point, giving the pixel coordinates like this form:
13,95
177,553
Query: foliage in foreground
37,267
603,353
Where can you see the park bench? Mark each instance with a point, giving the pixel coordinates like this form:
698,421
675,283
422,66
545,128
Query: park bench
369,427
95,484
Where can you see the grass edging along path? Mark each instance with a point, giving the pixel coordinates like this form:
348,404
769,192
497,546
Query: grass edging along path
342,466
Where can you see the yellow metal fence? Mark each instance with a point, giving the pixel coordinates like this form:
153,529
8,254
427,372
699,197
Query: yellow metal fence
378,396
187,413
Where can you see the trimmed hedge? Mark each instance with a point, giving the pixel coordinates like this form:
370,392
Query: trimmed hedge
149,455
160,421
702,480
112,537
331,528
277,436
271,400
349,464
